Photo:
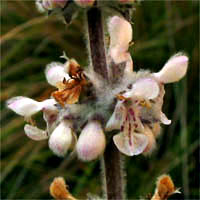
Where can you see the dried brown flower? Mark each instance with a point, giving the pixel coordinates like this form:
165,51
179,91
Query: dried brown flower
58,189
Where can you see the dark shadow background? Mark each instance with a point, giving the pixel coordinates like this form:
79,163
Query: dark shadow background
29,41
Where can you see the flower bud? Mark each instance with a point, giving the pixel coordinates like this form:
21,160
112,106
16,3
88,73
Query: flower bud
55,73
174,69
61,139
35,133
91,142
24,106
85,3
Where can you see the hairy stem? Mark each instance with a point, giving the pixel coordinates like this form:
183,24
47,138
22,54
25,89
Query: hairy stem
96,42
112,169
113,173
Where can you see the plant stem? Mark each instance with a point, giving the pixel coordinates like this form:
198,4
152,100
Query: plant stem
113,173
96,42
112,165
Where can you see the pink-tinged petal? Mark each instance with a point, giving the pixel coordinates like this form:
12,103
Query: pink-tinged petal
146,88
55,73
115,121
164,119
61,139
120,55
24,106
35,133
174,70
50,115
47,4
131,146
85,3
120,32
151,140
49,104
91,142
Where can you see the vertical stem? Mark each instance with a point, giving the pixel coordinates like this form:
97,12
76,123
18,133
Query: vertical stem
96,42
112,168
113,173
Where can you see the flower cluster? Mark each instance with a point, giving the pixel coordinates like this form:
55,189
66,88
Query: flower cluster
129,103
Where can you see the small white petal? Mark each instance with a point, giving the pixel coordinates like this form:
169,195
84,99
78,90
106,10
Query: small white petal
55,73
137,146
91,142
120,32
120,55
164,119
49,104
146,88
50,115
114,123
173,70
61,139
24,106
35,133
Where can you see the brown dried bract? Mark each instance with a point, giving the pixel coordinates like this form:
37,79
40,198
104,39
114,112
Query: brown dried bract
69,90
58,189
164,188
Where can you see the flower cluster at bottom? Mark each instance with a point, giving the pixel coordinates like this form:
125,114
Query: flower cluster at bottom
130,102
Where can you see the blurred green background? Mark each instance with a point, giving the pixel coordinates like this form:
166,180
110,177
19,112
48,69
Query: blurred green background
29,41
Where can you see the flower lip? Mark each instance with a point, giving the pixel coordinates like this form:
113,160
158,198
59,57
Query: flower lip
35,133
138,143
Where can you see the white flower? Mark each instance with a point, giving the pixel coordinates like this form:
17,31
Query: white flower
91,142
120,32
56,72
62,138
131,140
174,70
